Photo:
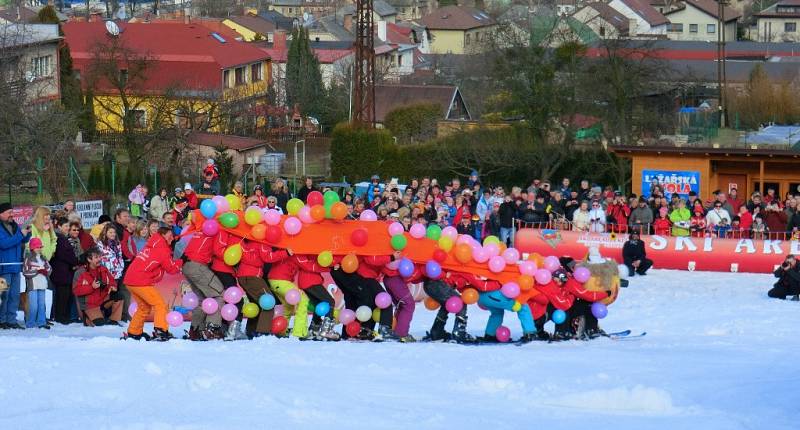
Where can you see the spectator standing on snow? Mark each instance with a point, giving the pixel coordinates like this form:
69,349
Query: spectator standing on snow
36,270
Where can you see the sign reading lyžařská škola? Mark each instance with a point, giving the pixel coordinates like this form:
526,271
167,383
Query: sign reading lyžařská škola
89,211
671,181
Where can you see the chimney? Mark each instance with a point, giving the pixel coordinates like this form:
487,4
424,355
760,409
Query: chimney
632,24
382,30
279,40
348,23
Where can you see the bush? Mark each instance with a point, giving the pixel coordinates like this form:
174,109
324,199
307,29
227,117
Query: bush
414,123
358,153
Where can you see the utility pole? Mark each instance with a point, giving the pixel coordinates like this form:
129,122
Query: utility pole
364,76
721,72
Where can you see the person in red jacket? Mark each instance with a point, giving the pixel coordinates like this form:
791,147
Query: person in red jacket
144,272
580,314
440,290
94,282
619,212
360,289
205,284
309,279
281,280
552,297
250,272
227,275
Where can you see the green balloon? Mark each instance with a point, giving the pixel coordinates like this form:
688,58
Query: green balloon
330,197
399,242
229,220
328,211
434,232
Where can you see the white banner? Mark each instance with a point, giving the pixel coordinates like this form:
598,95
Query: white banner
89,211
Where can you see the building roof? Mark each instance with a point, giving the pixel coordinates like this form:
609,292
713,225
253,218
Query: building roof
186,56
709,7
391,97
380,7
611,16
773,11
457,18
399,34
327,51
27,34
646,12
19,15
256,24
214,140
281,22
332,26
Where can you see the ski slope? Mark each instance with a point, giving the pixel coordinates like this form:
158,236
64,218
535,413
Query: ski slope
718,355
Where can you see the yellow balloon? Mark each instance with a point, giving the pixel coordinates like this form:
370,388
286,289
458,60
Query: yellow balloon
376,315
252,216
232,255
445,243
325,258
336,314
490,239
234,202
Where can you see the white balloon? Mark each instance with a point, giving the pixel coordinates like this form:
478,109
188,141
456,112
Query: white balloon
363,313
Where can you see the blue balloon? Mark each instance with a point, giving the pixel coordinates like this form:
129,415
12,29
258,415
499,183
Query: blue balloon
433,270
266,301
599,310
322,309
208,208
406,267
559,316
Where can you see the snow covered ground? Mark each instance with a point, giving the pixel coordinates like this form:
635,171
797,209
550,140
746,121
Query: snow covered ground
718,355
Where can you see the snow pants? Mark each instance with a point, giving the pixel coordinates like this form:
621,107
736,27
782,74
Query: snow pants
497,304
360,291
560,328
318,294
300,311
205,285
147,299
780,291
582,308
255,287
440,291
403,301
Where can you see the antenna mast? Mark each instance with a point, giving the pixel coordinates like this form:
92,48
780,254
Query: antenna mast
364,69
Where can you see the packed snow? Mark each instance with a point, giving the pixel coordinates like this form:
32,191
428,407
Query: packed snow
718,354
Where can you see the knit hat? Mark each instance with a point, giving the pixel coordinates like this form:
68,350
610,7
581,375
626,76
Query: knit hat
5,206
35,243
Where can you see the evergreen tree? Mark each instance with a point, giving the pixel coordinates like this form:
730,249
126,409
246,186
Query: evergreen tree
303,77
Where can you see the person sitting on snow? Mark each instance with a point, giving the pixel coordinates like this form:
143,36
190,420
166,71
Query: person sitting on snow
634,255
788,283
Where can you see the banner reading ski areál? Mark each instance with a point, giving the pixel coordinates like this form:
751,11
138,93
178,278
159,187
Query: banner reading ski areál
671,181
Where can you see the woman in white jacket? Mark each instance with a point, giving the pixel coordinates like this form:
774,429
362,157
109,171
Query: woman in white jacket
597,218
159,205
580,219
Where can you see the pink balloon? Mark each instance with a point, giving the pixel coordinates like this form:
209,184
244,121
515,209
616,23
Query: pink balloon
464,239
132,308
292,226
476,247
278,310
293,296
346,316
233,295
450,232
551,263
271,216
543,276
503,334
497,264
383,300
305,215
190,300
174,319
454,304
210,227
368,215
511,255
209,306
510,290
480,256
395,228
582,274
492,249
527,267
417,231
222,204
229,312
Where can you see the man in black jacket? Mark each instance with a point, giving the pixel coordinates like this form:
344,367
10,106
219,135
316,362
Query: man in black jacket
507,212
788,280
635,256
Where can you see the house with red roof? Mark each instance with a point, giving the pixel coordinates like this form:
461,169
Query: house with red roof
177,61
407,42
459,30
643,19
699,20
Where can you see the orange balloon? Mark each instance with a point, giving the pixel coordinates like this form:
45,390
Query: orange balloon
349,263
463,253
502,247
431,304
259,231
338,210
525,282
537,258
469,296
318,212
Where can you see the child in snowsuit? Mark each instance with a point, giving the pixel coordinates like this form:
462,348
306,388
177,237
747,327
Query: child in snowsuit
309,279
492,298
205,284
96,283
36,270
250,272
440,290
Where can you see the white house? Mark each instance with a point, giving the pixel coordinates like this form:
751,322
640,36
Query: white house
699,20
778,23
643,18
603,20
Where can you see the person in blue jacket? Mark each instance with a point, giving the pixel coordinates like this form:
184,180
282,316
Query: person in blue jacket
12,240
374,184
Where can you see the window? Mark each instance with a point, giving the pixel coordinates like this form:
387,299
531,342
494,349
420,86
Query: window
466,38
602,31
138,118
790,27
226,78
400,60
711,28
675,28
42,66
255,72
241,79
692,28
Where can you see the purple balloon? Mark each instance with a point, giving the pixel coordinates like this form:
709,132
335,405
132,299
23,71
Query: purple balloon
433,270
210,227
346,316
190,300
383,300
368,215
511,255
210,306
551,263
543,276
417,231
233,295
454,304
271,216
278,309
229,312
395,228
527,267
510,290
293,296
492,249
599,310
174,319
292,226
480,256
503,334
406,268
582,274
222,204
497,264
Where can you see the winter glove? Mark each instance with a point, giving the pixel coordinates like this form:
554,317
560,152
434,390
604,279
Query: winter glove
517,306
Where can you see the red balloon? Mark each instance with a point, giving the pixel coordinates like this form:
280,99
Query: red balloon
273,234
359,237
279,324
314,198
353,328
439,255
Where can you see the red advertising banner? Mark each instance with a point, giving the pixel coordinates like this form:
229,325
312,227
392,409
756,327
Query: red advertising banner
681,253
22,214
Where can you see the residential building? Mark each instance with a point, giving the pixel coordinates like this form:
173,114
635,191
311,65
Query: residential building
459,30
391,97
279,21
297,8
17,15
29,61
603,20
699,20
251,27
381,11
643,19
185,64
409,10
406,53
778,23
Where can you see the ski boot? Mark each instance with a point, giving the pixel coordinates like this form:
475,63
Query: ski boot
327,332
487,338
460,331
795,298
562,335
528,337
437,332
112,322
365,334
384,333
194,334
143,336
542,335
160,335
99,322
234,332
314,330
212,332
407,339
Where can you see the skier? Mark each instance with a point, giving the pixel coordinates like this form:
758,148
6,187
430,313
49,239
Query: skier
309,279
250,271
580,315
205,284
281,281
402,298
361,287
440,290
492,298
227,275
